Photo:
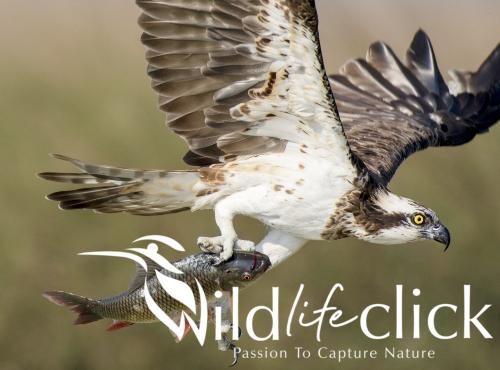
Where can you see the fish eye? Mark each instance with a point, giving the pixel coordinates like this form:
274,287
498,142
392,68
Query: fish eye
246,276
418,219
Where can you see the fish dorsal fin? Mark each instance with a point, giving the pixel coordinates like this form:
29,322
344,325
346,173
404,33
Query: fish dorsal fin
142,275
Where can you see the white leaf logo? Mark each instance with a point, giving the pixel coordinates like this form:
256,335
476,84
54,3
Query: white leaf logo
172,243
177,289
152,253
126,255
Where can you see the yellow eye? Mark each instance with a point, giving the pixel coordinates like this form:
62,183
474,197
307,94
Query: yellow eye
418,219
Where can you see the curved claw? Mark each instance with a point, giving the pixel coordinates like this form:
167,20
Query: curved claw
232,347
210,244
239,330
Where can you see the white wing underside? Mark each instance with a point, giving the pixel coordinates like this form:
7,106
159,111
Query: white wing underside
252,78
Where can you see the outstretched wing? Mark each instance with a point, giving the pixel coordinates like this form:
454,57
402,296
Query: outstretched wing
241,77
391,110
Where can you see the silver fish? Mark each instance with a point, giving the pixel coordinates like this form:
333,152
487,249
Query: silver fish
130,306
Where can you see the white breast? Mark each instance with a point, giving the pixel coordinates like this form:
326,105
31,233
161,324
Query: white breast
295,191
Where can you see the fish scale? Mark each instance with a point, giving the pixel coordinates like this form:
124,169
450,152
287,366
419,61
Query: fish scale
130,306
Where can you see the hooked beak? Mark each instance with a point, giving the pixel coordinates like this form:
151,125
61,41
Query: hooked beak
442,235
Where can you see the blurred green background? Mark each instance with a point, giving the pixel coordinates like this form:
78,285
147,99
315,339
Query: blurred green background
72,78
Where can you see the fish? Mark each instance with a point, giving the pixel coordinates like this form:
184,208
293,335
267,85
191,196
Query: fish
130,307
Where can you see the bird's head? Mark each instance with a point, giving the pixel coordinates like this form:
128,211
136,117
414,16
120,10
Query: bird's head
397,220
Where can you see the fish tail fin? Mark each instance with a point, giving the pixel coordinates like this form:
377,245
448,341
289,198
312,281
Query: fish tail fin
75,303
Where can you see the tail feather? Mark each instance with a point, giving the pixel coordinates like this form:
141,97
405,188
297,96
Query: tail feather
112,173
141,192
78,178
88,197
75,303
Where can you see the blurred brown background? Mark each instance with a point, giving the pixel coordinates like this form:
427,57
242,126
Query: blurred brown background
72,78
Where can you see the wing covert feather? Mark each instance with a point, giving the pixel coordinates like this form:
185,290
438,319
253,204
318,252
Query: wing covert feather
392,109
241,77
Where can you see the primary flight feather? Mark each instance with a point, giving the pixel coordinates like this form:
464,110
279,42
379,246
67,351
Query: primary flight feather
244,84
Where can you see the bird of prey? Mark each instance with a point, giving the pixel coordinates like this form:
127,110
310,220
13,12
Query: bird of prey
244,84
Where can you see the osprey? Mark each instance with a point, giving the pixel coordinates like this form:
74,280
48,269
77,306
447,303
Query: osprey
244,84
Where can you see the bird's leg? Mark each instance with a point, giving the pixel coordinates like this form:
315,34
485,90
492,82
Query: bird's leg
223,245
228,238
226,345
226,326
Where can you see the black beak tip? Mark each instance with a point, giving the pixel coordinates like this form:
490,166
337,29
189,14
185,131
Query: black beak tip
447,239
443,237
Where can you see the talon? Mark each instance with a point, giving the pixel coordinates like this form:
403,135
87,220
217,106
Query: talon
228,346
232,347
227,253
210,245
245,245
239,330
223,246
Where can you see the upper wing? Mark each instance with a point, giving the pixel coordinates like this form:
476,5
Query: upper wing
241,77
391,110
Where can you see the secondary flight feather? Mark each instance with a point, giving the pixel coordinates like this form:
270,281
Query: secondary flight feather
244,84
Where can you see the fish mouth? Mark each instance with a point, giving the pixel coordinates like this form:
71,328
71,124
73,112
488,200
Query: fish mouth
255,263
243,268
261,263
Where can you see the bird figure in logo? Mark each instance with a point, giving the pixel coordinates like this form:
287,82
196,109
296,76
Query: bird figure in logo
244,84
